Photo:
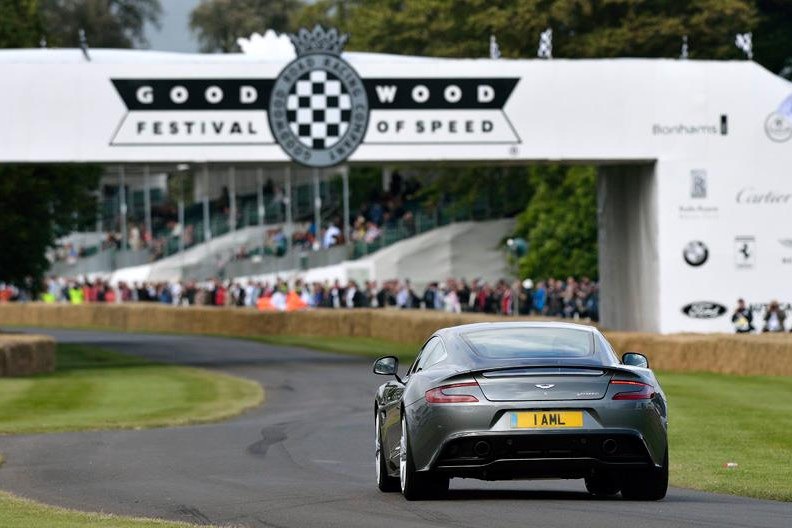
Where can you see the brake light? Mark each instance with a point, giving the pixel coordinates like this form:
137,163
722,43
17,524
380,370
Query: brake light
439,394
642,391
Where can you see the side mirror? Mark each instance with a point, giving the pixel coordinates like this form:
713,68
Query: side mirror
386,366
635,359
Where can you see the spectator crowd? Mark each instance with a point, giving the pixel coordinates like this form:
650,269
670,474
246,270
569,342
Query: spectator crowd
555,298
772,319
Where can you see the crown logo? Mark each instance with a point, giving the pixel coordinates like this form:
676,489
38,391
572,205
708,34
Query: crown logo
319,40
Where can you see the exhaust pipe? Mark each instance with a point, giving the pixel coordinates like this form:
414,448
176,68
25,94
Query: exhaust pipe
609,446
482,448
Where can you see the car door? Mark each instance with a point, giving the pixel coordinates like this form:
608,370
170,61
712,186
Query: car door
392,396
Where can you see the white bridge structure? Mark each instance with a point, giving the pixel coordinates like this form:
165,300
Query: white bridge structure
695,158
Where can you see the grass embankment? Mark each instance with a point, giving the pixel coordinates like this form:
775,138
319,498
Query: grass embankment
714,419
16,512
94,388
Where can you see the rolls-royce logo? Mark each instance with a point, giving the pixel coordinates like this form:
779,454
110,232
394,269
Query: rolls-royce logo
318,109
545,385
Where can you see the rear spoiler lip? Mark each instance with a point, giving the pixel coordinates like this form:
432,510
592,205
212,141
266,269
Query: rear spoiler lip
613,369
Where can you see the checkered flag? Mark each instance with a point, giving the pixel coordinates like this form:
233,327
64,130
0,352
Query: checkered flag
318,109
494,49
744,41
545,50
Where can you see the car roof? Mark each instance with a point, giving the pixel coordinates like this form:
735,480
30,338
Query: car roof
461,329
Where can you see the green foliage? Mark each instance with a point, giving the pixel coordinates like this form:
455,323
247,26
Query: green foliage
38,204
107,23
19,24
219,23
581,28
560,223
477,192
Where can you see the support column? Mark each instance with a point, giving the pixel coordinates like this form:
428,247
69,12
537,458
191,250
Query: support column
261,208
206,216
288,203
147,201
99,211
317,201
232,209
122,205
345,200
181,211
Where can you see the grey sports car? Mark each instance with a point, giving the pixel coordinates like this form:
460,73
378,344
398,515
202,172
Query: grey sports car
499,401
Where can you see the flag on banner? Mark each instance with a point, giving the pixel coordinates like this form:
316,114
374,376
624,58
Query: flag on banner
494,48
744,41
545,50
785,108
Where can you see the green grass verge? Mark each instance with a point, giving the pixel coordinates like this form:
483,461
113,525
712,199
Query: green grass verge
16,512
716,419
94,389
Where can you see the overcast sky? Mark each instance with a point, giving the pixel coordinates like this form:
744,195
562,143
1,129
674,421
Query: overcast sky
174,35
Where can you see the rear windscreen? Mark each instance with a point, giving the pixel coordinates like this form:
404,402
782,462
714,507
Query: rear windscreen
519,343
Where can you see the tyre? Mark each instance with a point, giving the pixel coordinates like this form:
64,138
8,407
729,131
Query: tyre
385,482
415,485
646,485
602,485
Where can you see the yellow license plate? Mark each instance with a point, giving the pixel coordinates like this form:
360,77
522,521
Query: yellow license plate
546,419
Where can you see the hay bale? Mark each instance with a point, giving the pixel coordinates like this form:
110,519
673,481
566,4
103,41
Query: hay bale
25,355
723,353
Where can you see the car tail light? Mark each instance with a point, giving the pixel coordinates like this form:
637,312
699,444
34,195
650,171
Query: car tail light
638,390
439,394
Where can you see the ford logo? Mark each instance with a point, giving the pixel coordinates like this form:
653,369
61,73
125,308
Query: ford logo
703,310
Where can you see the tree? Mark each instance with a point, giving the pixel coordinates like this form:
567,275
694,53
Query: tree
19,24
107,23
560,224
40,203
219,23
581,28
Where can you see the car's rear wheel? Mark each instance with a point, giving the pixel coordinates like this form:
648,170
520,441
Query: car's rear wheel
647,485
384,481
415,485
602,485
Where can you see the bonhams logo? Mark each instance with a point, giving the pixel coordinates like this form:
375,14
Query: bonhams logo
318,109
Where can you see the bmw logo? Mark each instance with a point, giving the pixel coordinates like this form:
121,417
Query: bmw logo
695,253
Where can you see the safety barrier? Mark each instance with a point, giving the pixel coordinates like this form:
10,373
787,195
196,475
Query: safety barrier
723,353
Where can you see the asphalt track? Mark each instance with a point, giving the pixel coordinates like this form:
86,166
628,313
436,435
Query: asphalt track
304,459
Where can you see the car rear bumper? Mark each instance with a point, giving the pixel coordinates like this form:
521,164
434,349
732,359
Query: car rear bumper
546,454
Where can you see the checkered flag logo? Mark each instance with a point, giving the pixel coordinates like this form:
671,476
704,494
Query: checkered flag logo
318,109
320,117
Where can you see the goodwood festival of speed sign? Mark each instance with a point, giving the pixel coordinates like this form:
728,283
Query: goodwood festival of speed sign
318,109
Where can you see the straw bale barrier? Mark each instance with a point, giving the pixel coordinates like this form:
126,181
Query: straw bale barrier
24,355
723,353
